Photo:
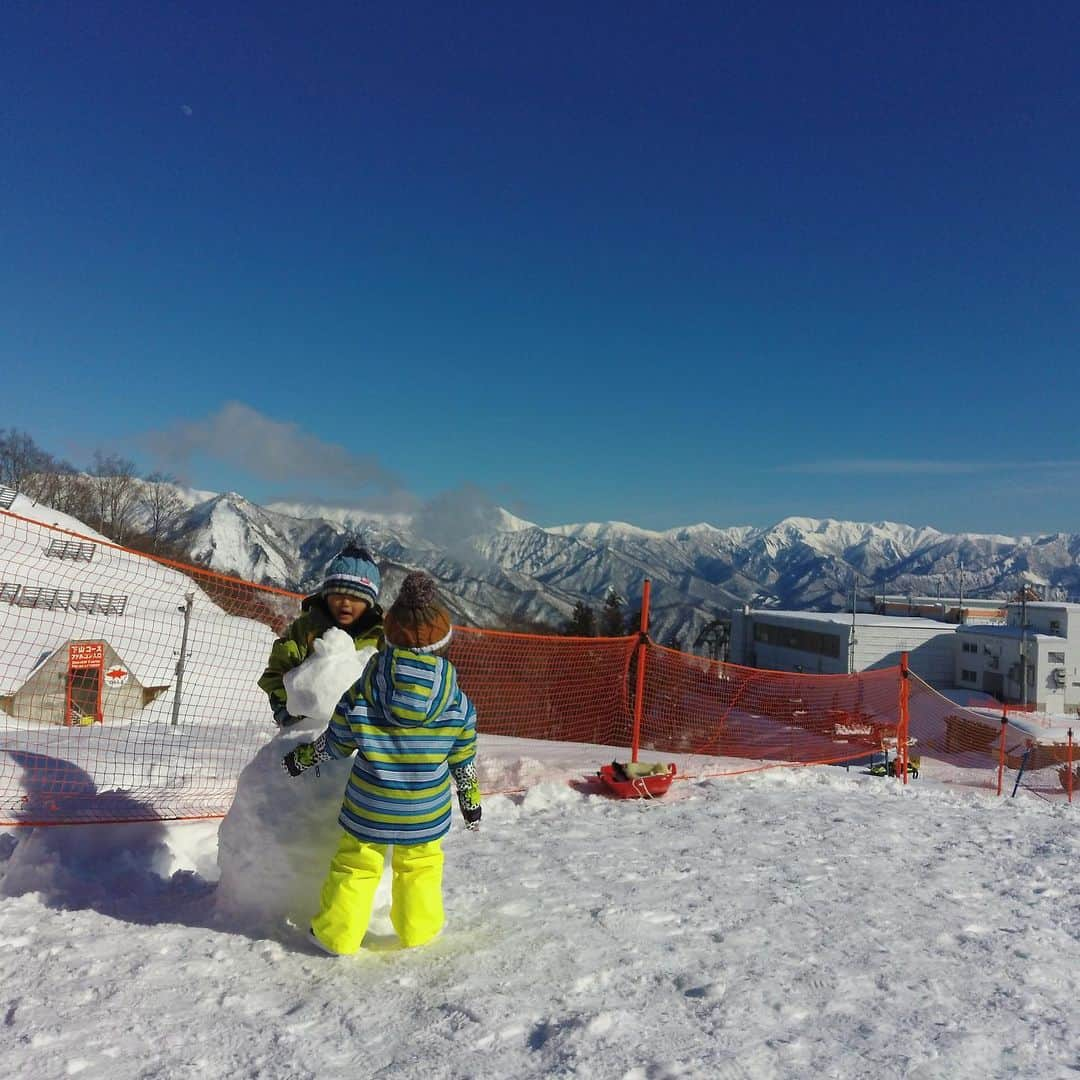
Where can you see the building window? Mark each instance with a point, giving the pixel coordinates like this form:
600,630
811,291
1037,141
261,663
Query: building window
970,646
968,676
1055,658
786,637
1055,626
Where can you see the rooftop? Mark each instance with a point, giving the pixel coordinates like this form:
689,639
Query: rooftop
1047,605
987,630
861,618
940,601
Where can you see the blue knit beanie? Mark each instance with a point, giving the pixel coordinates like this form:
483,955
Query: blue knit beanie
352,572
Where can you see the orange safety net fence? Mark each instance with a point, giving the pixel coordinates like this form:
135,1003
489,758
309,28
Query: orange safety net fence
974,748
101,718
693,705
564,689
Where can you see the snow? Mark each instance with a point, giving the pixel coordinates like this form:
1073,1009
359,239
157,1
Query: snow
345,516
27,508
785,923
1050,729
602,531
1012,632
860,619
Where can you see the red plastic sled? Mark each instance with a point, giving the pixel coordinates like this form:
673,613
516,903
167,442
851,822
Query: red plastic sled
642,787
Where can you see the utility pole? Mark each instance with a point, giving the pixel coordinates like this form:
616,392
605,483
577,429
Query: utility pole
186,607
851,645
1023,644
960,614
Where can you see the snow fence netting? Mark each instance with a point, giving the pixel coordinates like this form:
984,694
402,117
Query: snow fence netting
128,691
127,683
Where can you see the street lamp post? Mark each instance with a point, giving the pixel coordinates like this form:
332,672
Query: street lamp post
189,600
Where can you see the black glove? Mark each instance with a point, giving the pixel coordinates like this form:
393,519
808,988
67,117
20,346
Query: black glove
471,814
283,718
299,758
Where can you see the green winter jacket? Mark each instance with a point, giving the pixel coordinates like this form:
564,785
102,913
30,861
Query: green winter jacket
291,649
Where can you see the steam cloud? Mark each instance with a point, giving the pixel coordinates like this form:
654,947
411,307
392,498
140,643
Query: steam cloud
274,450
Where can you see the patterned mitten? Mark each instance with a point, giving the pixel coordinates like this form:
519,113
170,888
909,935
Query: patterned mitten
305,755
468,793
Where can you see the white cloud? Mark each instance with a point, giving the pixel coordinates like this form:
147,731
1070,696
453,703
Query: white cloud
275,450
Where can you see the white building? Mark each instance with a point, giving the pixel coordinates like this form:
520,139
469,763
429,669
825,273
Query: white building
838,643
1031,664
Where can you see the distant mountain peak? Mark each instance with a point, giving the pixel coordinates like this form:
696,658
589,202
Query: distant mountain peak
497,569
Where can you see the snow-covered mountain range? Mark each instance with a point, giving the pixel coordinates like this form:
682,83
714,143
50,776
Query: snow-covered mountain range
502,571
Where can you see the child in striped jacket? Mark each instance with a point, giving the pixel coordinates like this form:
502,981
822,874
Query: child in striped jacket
411,729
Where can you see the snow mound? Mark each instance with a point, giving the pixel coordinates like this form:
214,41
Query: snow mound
275,843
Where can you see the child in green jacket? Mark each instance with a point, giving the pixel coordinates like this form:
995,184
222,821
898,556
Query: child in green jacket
346,600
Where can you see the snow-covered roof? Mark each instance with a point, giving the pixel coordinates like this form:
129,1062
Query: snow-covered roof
27,508
991,630
1046,605
146,636
861,618
976,602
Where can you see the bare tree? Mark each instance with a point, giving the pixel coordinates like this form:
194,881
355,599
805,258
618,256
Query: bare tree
20,458
71,493
116,489
161,507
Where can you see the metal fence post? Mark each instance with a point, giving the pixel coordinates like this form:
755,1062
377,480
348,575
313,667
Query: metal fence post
639,688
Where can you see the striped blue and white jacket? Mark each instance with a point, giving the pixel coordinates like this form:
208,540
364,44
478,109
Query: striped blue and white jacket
409,725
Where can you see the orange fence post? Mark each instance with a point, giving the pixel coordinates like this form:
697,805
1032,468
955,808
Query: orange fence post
1001,751
639,690
1070,783
902,731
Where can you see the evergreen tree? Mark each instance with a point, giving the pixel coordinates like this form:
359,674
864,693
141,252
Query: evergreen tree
582,622
611,617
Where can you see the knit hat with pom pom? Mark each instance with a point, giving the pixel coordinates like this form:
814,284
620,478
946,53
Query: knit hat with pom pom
417,619
352,572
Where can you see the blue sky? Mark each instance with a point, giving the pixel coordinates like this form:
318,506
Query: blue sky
655,263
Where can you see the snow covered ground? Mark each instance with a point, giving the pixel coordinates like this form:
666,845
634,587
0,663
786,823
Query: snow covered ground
786,923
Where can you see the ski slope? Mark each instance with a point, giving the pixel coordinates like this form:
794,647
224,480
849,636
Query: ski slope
786,923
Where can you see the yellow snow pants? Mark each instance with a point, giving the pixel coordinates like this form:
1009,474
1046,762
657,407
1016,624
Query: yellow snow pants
348,893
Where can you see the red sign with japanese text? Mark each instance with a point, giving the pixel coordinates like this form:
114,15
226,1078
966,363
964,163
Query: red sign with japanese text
86,654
